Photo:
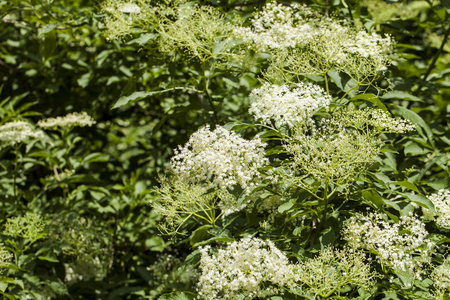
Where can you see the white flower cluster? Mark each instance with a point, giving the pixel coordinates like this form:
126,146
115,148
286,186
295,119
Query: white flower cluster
276,26
18,132
130,8
221,157
377,118
280,104
333,270
5,258
242,269
402,246
279,27
70,120
441,278
253,268
383,121
368,45
441,201
123,15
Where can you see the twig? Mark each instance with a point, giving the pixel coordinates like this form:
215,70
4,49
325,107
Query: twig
433,63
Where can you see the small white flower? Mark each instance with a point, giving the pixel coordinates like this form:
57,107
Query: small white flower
70,120
18,132
441,201
286,106
221,157
130,8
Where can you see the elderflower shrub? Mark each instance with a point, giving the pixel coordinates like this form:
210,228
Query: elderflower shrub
381,11
338,148
221,157
277,26
328,151
333,270
124,16
169,274
202,32
31,226
248,268
180,202
70,120
441,201
285,106
441,278
402,247
5,258
370,119
303,42
16,132
88,253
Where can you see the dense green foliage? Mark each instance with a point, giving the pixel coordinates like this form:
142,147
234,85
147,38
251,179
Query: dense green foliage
96,209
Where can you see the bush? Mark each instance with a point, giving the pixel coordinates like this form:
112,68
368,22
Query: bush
224,149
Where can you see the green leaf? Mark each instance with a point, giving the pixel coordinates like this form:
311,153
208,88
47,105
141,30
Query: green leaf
84,80
235,126
178,296
198,234
46,29
371,98
48,44
388,148
143,39
419,200
122,291
59,288
344,82
48,258
438,238
407,184
155,243
285,206
136,96
219,235
372,196
327,238
416,120
95,157
12,281
400,95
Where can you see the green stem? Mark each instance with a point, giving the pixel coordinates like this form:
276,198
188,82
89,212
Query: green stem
206,79
326,83
16,169
436,57
325,199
